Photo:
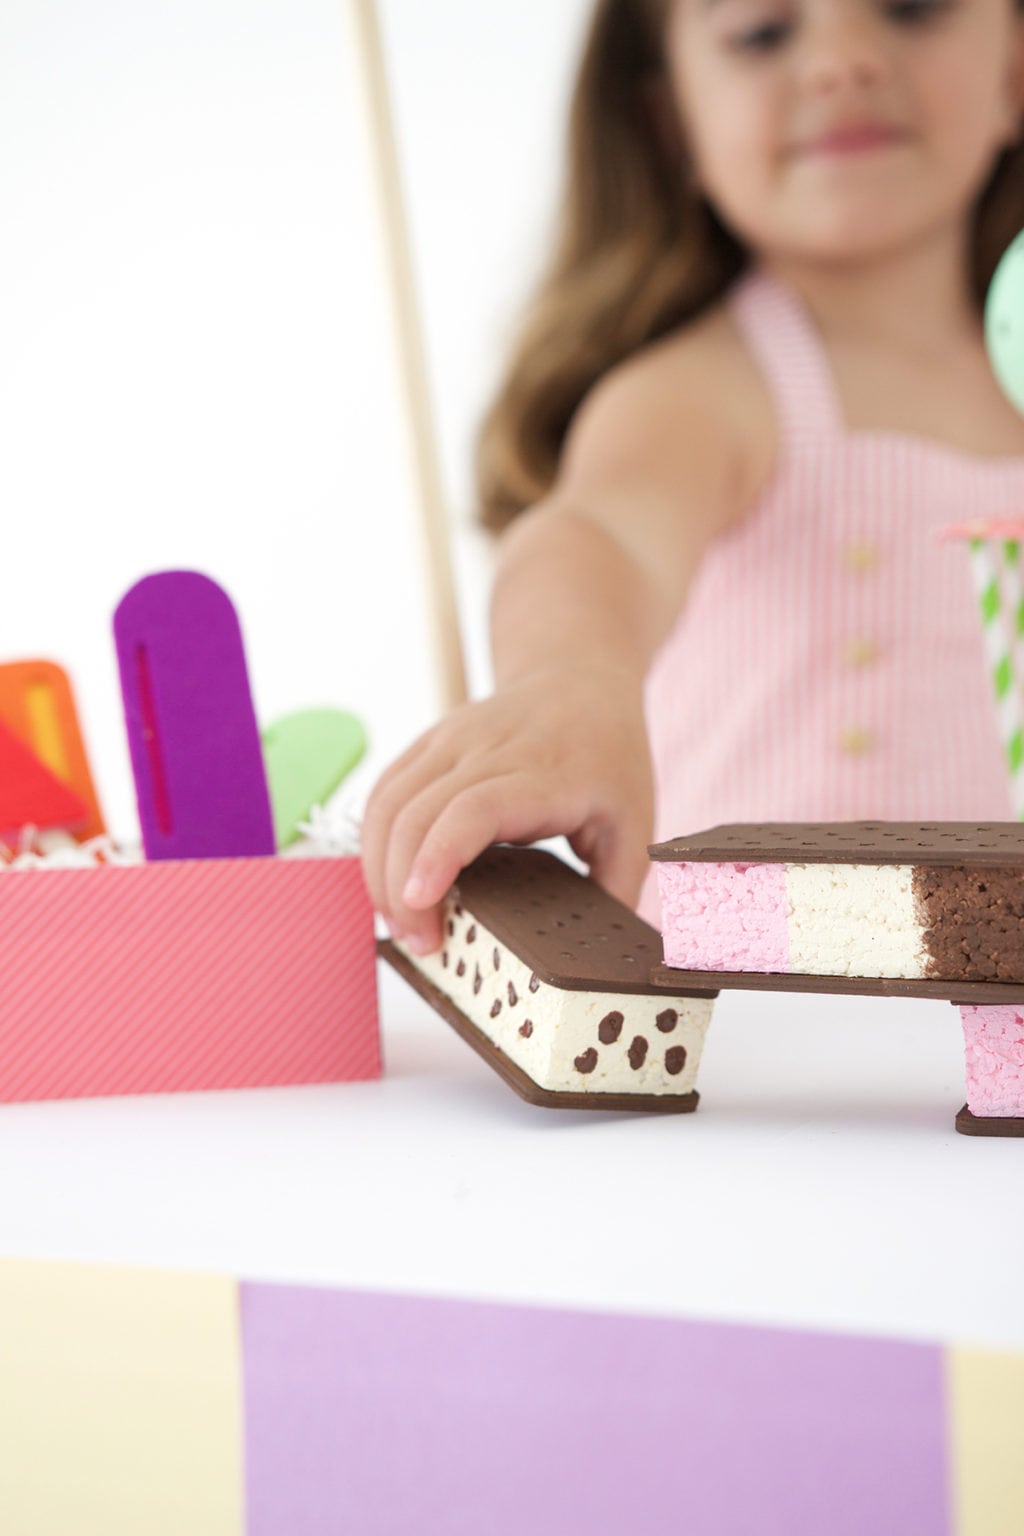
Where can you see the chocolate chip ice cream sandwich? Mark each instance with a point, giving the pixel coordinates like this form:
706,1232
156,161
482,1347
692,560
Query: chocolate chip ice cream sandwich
548,977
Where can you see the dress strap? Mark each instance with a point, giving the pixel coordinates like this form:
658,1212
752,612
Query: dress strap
790,354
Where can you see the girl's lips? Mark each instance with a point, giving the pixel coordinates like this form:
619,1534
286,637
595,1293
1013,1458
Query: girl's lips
853,141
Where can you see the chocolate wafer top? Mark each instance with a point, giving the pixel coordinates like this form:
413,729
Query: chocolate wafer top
561,924
968,843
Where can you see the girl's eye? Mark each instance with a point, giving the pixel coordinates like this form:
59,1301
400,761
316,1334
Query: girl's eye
908,12
766,37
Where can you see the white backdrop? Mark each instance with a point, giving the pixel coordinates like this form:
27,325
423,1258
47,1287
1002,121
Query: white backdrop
196,359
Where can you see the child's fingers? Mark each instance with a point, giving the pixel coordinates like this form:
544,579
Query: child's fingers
508,807
467,809
400,784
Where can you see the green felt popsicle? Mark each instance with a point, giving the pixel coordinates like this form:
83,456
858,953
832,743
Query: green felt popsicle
307,755
1004,322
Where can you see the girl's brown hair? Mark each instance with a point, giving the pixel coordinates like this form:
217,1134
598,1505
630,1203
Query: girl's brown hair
638,252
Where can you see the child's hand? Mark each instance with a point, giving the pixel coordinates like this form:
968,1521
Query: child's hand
563,751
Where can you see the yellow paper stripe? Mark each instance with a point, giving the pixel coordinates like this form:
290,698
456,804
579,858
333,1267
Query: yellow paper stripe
120,1402
47,742
987,1409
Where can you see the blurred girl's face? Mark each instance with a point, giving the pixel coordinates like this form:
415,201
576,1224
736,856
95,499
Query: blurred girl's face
832,128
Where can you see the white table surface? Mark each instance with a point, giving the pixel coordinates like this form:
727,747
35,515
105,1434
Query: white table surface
819,1185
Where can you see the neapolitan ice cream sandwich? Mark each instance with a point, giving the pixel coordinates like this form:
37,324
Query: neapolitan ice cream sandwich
929,909
548,977
937,906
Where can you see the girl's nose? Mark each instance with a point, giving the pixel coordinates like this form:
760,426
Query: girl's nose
841,49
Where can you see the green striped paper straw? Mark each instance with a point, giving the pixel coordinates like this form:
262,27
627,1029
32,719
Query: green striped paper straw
1012,583
1001,623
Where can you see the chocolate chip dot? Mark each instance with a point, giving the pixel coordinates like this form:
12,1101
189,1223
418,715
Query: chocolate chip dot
610,1028
637,1052
587,1062
460,969
675,1060
513,995
471,933
496,1009
451,928
458,909
526,1028
534,982
667,1020
497,959
478,982
444,958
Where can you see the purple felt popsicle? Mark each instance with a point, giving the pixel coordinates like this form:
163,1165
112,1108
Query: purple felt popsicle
195,745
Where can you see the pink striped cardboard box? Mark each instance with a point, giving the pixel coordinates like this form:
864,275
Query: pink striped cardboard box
181,975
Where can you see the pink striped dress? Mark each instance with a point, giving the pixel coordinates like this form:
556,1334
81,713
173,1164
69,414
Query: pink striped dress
828,664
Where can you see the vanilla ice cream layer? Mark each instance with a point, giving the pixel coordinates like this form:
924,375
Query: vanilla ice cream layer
567,1041
854,920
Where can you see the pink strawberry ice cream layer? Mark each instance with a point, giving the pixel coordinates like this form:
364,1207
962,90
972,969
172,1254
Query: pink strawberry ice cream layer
994,1044
724,917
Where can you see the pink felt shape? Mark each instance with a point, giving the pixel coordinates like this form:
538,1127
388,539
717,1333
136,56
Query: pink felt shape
994,1050
724,917
180,975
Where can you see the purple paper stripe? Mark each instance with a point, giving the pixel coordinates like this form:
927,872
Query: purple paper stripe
395,1416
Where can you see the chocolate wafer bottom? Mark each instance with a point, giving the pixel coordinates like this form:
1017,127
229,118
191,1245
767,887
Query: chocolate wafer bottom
548,977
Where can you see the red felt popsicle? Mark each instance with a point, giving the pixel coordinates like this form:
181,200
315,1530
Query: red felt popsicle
37,703
30,794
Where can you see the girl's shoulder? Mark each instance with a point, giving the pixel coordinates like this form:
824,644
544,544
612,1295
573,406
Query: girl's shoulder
689,410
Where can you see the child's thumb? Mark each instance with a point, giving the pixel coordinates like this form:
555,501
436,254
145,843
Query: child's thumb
619,863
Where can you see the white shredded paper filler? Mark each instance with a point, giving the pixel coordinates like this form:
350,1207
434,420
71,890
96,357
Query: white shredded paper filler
330,833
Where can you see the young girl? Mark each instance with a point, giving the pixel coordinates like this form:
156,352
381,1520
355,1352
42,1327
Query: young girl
751,388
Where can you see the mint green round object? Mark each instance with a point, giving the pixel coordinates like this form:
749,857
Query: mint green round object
306,757
1004,322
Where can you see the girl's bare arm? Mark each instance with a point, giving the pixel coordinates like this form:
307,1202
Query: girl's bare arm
589,583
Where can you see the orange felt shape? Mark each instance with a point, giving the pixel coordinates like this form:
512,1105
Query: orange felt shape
181,975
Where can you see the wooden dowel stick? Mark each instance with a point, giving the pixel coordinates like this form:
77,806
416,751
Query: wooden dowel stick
415,384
